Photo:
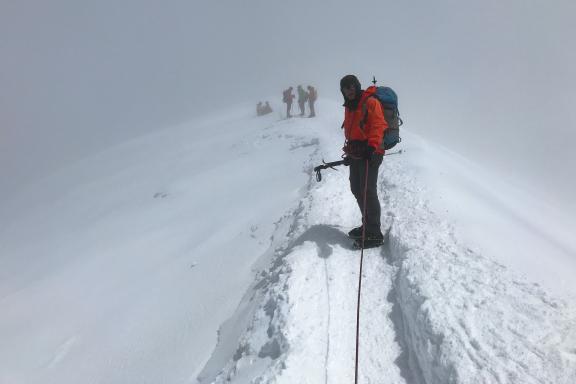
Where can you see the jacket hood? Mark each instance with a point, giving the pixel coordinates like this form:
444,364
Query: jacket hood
361,95
347,81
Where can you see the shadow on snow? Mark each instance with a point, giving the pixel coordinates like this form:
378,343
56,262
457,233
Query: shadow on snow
325,237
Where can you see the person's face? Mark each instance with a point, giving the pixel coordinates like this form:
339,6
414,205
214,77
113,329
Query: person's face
349,92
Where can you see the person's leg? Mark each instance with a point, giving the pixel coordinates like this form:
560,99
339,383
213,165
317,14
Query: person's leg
356,174
357,182
373,209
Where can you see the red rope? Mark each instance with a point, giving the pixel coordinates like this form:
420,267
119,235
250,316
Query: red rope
360,275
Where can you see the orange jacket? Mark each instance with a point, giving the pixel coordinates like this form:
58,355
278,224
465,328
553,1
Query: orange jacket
374,124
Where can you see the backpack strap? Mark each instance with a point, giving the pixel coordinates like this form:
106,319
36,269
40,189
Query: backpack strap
364,114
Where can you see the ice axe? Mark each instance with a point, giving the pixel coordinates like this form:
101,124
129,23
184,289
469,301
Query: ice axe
340,162
326,166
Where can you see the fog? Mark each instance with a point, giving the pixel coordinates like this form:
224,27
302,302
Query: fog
491,80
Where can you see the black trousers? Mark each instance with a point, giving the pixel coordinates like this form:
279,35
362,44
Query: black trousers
357,182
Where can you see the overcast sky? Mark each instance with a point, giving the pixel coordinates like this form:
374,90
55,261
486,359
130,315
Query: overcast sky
494,80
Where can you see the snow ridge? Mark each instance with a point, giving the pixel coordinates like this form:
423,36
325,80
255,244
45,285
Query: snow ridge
268,272
433,310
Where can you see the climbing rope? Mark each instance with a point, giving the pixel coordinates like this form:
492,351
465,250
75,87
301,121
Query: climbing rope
360,275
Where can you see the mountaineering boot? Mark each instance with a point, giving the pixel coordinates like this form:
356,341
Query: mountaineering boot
370,241
367,243
356,233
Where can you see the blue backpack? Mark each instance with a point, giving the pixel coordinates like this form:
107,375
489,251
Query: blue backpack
389,101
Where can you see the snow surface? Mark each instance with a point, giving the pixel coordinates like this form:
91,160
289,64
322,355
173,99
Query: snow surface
208,253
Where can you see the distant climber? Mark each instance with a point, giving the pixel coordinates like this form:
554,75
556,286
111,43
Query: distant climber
266,109
262,110
288,98
312,96
302,98
364,127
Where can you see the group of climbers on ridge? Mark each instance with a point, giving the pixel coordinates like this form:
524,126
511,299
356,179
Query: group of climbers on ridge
304,96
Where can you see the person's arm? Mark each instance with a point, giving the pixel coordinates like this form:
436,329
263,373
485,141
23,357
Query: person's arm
375,123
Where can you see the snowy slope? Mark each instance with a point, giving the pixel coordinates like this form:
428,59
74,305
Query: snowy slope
208,253
122,267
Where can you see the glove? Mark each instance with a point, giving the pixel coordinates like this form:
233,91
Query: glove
371,155
346,161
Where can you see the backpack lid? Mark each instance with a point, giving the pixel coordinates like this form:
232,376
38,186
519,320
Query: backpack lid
386,95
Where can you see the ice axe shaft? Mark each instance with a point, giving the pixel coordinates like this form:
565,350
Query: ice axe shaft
394,153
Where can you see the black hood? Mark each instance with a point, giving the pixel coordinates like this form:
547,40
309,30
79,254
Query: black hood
346,82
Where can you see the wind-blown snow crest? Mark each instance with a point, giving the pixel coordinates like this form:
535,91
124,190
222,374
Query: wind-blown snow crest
467,318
